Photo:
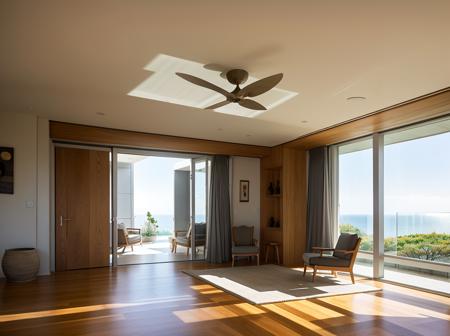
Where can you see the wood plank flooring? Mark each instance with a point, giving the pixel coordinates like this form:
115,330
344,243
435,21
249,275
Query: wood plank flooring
159,299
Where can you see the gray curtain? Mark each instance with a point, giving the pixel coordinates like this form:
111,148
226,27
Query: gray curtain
219,231
322,198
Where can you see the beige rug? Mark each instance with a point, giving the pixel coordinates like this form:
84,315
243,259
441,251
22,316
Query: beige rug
272,283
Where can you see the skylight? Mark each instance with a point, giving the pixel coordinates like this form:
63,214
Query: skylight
164,85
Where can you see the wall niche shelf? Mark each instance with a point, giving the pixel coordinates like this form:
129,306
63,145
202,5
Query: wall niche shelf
283,180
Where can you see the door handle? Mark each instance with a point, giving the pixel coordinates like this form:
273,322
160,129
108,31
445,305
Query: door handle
61,219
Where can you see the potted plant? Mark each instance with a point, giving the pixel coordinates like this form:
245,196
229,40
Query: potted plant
150,229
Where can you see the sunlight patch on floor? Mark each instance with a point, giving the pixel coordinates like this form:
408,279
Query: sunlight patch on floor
88,309
217,312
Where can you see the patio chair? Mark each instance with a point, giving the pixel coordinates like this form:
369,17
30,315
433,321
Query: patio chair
342,259
183,238
128,237
243,243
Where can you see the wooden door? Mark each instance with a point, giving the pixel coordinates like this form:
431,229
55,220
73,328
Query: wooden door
82,208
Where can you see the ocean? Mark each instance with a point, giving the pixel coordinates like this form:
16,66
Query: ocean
401,224
165,221
394,224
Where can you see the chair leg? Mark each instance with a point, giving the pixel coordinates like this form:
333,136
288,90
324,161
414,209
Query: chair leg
124,247
334,273
257,259
267,254
187,251
304,270
232,261
314,273
132,248
352,277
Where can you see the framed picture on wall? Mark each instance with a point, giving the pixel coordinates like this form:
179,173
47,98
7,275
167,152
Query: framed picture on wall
244,191
6,170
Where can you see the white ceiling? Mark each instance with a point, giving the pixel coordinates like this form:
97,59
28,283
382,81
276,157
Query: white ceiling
70,60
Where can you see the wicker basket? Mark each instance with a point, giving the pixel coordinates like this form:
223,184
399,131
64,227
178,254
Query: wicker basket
20,264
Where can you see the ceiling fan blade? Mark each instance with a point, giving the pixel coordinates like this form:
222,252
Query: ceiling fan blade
251,104
213,107
261,86
203,83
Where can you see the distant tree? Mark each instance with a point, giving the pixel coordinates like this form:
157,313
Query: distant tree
348,228
427,246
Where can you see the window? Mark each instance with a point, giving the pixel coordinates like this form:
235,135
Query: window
356,194
417,192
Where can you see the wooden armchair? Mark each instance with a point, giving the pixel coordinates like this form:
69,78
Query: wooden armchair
342,259
183,237
128,237
243,243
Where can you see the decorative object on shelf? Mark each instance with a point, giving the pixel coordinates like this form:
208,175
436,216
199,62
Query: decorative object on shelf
244,191
272,222
6,170
271,189
278,188
20,264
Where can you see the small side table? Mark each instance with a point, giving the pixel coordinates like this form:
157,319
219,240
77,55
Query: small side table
274,246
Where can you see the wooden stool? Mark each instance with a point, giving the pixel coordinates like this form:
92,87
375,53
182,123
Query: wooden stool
273,245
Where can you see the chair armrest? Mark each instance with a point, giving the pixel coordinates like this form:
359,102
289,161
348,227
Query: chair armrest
180,232
323,249
255,242
138,230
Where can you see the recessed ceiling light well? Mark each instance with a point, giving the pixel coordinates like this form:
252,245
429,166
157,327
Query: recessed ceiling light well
164,85
304,121
356,98
100,113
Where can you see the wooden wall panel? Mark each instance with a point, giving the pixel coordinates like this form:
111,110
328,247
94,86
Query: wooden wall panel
294,206
113,137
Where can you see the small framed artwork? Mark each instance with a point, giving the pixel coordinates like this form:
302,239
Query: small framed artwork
244,191
6,170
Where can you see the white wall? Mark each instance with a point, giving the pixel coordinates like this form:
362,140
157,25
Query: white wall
24,216
246,213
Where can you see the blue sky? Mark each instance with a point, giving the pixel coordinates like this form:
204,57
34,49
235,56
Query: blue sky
417,177
154,186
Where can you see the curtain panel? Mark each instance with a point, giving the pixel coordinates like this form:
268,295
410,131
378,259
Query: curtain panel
219,231
322,207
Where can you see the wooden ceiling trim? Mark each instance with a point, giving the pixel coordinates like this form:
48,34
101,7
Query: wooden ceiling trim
420,109
113,137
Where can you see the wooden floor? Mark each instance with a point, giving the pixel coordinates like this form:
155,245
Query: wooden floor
161,300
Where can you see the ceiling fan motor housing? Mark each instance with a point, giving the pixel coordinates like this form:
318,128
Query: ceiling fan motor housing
237,76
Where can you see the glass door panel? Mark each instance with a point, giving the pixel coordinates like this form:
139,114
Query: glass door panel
199,207
356,198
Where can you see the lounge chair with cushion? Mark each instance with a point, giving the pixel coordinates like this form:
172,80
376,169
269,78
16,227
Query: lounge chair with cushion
184,238
243,243
342,259
128,237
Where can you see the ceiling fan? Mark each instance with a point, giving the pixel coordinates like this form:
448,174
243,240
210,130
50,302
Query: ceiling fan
238,95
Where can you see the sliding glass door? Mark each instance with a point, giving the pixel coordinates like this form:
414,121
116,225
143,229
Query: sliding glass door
417,198
394,192
199,206
159,203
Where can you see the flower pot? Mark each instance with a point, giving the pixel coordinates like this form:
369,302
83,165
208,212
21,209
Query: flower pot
146,239
20,264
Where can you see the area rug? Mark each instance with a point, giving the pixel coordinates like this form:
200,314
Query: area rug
271,283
